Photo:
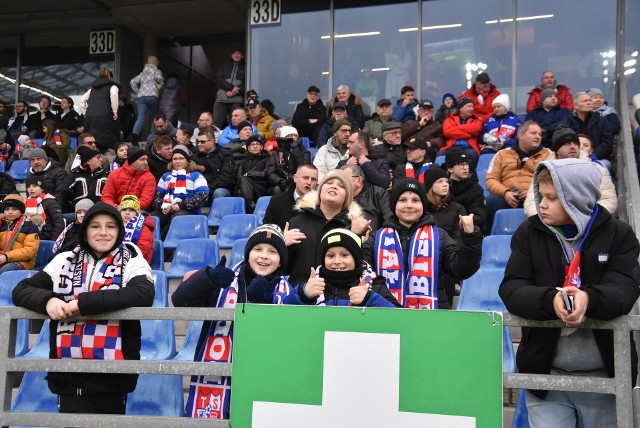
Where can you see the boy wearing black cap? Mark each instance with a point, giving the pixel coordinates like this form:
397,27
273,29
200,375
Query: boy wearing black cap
465,188
19,239
88,179
43,210
418,162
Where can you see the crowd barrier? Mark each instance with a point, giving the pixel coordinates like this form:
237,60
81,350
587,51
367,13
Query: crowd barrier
10,369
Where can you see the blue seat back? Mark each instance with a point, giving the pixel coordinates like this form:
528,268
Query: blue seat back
158,340
237,252
41,347
8,282
19,169
484,160
221,207
2,167
157,259
188,350
45,251
306,142
34,396
261,207
193,254
440,159
157,395
157,233
161,285
186,227
313,152
74,143
234,227
521,416
482,177
496,250
507,221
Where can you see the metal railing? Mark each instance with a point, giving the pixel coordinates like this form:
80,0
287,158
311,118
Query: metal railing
11,367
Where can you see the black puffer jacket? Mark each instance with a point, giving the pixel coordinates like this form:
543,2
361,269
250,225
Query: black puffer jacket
395,155
83,183
447,218
460,259
470,195
54,180
536,267
218,168
597,128
374,202
260,167
303,113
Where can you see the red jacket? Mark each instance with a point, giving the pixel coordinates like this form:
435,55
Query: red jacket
485,110
127,181
453,130
565,99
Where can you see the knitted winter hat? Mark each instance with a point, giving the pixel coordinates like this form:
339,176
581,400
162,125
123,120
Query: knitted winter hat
454,156
341,238
339,123
33,179
595,91
278,123
135,153
180,149
86,154
83,204
407,185
15,201
448,95
23,138
432,175
253,138
288,130
268,234
546,93
464,101
345,178
502,99
130,201
38,153
244,124
563,136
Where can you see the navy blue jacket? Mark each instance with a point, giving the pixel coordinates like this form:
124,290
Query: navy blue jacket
598,129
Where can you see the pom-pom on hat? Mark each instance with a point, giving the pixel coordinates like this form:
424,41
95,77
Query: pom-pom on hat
267,234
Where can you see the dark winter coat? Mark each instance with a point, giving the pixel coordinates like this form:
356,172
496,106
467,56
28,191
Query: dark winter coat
261,167
126,118
7,185
431,132
374,202
376,171
99,117
304,112
354,109
69,121
548,121
470,195
395,155
218,168
54,180
280,209
448,218
54,224
536,267
82,183
158,166
598,129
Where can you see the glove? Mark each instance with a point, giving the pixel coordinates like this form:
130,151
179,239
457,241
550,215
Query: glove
220,275
261,289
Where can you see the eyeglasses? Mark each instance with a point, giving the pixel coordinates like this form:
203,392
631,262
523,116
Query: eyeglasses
255,144
202,141
463,164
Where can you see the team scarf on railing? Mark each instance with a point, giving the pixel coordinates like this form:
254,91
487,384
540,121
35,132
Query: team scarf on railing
209,396
90,339
176,188
410,172
133,228
416,285
572,269
34,206
17,227
60,239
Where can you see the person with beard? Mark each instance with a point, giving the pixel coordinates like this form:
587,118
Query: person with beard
100,108
343,277
310,114
425,127
52,175
410,237
102,274
215,163
548,114
257,279
33,124
257,174
17,122
464,186
375,166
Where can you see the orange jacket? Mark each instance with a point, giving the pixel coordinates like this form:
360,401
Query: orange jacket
505,172
453,130
25,247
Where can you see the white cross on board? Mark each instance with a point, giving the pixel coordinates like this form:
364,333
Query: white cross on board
360,389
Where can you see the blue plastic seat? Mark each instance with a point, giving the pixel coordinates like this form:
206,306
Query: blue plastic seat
313,152
507,221
38,141
158,340
221,207
261,207
157,259
34,395
188,349
193,254
234,227
45,251
157,395
74,143
161,285
41,347
306,142
20,169
521,416
156,232
484,160
186,227
2,167
496,250
482,177
8,282
237,252
440,159
480,293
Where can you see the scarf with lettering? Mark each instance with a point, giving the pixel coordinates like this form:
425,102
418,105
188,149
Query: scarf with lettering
34,206
209,396
416,285
133,228
176,188
410,172
90,339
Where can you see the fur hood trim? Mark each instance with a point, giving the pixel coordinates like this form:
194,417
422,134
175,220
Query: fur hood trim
310,200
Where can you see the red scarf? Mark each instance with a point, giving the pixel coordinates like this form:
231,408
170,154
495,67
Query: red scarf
34,206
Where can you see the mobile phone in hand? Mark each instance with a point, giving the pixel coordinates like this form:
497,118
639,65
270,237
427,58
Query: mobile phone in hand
568,301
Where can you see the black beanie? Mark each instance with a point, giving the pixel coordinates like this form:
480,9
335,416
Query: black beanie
563,136
15,201
454,156
244,124
268,234
135,153
432,175
341,238
407,185
86,154
33,179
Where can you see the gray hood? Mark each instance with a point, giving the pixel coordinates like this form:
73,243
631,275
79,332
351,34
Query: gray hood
577,183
